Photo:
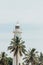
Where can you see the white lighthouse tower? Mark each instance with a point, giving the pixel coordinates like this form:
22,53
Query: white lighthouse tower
17,33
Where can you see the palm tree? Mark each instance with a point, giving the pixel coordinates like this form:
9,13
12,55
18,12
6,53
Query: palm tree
17,46
41,58
31,57
4,59
10,60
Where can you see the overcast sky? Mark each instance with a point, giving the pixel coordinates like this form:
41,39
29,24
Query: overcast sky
29,14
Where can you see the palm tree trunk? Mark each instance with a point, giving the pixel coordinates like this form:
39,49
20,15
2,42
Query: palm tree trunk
32,63
17,59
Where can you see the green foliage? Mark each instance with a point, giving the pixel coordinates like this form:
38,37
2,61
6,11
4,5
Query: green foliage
9,60
31,56
41,58
17,45
5,60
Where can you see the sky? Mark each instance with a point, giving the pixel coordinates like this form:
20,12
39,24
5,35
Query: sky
29,14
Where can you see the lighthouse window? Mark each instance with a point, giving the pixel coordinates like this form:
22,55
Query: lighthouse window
19,63
16,26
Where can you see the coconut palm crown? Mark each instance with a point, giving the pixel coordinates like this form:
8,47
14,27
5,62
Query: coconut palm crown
17,45
4,59
41,58
31,56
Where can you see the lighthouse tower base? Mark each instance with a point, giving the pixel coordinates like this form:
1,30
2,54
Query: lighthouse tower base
19,62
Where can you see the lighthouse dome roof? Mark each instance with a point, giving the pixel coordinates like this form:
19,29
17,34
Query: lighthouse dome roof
17,25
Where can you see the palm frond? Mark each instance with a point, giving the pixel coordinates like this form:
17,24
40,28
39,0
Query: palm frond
10,47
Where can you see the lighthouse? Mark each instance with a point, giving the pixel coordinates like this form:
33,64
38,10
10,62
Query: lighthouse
17,33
